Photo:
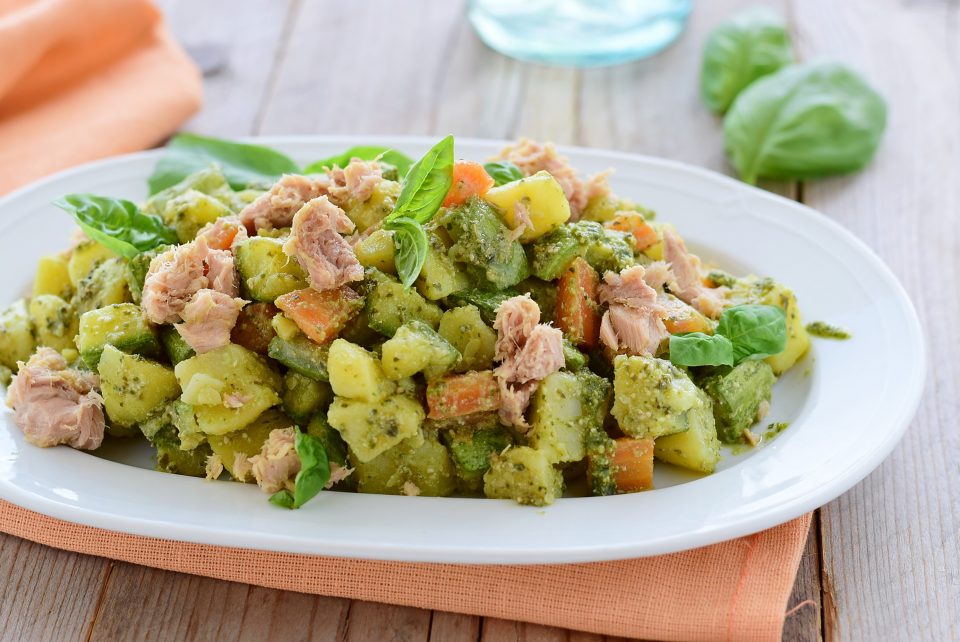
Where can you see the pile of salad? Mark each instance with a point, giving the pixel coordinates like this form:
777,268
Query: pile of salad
373,324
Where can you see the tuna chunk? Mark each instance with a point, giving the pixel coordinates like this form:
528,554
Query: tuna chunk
528,352
658,275
688,277
633,322
277,207
318,246
178,274
337,474
532,157
208,319
277,464
172,280
355,182
54,404
223,233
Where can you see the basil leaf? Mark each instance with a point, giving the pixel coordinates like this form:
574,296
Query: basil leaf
805,121
364,152
699,349
503,172
754,330
314,468
410,241
283,499
242,163
426,184
750,45
117,224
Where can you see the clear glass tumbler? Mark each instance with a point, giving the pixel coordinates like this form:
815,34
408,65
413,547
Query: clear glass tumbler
581,33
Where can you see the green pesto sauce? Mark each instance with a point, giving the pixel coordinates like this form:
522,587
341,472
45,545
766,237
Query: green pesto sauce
825,330
775,429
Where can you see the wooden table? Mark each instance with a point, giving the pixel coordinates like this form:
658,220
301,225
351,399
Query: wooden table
881,561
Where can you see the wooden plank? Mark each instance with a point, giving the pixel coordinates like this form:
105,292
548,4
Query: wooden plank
45,593
236,44
890,546
186,607
338,72
454,627
804,608
372,621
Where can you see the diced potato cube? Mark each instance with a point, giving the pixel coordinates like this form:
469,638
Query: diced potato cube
53,277
356,373
371,428
16,335
465,329
54,320
133,387
524,475
543,198
377,251
416,347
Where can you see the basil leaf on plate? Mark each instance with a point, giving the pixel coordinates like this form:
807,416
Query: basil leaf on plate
426,184
242,163
750,45
364,152
117,224
754,330
313,476
805,121
410,241
699,349
503,172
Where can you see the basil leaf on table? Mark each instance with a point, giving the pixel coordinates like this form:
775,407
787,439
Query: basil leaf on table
754,330
426,184
117,224
242,163
364,152
805,121
410,241
313,476
503,172
699,349
750,45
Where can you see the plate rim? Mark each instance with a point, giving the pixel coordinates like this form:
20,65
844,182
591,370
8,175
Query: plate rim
839,484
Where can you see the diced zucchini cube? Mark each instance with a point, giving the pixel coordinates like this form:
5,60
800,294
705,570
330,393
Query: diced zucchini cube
133,387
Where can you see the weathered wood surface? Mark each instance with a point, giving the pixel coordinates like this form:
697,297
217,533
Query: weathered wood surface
881,561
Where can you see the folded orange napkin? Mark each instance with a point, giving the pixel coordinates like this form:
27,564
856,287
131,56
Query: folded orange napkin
84,79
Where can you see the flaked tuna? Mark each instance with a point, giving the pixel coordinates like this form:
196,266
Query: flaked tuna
208,319
172,280
356,181
318,246
277,465
223,233
528,352
633,322
688,277
276,208
55,404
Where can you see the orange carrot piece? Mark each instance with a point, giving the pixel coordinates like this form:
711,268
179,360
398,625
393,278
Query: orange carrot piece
643,233
223,240
320,315
469,179
633,464
681,318
459,395
578,313
254,329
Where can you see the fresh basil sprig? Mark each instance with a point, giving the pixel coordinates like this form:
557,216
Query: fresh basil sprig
503,172
410,241
424,188
364,152
313,476
750,45
803,122
744,331
116,223
426,184
242,163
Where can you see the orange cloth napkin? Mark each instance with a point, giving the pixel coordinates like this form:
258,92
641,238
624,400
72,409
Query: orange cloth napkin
84,79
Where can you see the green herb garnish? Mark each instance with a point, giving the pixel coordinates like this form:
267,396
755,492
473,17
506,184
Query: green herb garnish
503,172
313,476
364,152
116,223
744,331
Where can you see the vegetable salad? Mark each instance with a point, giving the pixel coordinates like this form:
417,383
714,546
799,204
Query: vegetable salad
376,324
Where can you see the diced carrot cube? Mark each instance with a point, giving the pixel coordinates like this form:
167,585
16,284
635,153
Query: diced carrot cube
633,464
459,395
682,318
578,313
469,179
320,315
643,233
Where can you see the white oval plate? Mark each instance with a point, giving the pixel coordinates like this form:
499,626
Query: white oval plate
848,402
